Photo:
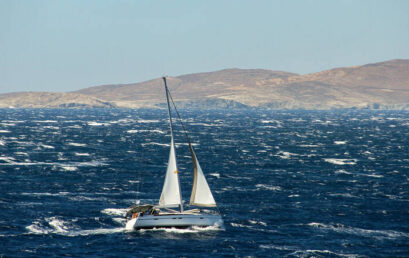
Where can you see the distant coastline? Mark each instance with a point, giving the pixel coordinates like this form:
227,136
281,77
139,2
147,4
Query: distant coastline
383,85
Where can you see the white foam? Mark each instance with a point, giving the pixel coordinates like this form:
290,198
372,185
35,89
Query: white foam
20,153
36,228
341,161
5,131
148,121
2,143
370,175
46,146
258,222
347,195
340,142
270,246
146,131
98,231
8,124
155,143
57,226
69,168
379,234
285,154
319,253
51,127
114,211
341,171
120,221
7,159
293,196
93,123
268,187
217,175
11,162
77,144
81,154
184,231
238,225
45,121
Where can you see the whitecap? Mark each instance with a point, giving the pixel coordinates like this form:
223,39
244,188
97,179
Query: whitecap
146,131
20,153
5,131
340,142
81,154
314,253
268,187
148,121
58,226
293,196
285,248
93,123
371,175
378,234
46,146
51,127
341,161
69,168
285,154
217,175
341,171
98,231
184,231
114,211
8,124
45,121
77,144
7,159
258,222
155,143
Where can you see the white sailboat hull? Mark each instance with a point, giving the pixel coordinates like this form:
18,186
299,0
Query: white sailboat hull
175,221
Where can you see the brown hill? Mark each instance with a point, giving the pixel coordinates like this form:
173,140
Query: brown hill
378,85
229,84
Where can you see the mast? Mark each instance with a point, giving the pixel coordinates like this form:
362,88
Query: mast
201,193
172,141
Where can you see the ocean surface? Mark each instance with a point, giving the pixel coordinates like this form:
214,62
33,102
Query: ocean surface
288,183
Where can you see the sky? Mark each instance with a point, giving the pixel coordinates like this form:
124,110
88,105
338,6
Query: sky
63,46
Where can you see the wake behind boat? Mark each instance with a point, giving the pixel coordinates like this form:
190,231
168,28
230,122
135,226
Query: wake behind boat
164,215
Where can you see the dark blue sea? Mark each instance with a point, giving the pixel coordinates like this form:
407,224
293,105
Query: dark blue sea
288,183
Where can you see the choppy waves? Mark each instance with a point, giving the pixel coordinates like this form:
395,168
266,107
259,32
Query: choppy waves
288,183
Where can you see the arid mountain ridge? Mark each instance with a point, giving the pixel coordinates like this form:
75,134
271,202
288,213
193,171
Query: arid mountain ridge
383,85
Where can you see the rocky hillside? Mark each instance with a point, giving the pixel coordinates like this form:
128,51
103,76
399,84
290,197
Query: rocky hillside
379,85
50,100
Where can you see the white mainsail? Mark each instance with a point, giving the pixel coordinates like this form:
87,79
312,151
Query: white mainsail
201,194
171,191
171,195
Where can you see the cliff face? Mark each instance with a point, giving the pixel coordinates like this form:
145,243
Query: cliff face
379,85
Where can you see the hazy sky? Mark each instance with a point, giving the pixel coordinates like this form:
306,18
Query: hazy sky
68,45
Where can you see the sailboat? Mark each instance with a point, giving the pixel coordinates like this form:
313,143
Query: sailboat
170,211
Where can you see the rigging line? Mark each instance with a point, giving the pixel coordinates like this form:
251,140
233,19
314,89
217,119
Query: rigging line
186,134
180,119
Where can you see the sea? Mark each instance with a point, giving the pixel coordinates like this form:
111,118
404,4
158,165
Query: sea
288,183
